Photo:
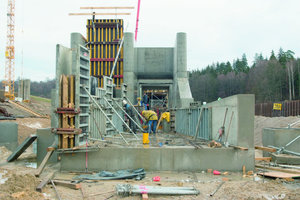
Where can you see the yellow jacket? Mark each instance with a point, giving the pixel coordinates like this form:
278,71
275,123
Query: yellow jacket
149,115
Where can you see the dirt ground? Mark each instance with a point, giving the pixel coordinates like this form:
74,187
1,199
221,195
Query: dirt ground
17,180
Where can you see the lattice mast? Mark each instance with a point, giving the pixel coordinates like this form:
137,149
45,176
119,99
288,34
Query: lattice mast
9,82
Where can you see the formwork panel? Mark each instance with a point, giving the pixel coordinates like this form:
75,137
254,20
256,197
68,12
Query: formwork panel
104,37
187,119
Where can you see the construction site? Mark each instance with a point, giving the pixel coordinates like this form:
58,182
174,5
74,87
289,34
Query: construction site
122,123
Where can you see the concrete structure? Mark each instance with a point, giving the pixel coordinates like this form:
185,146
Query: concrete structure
242,125
9,135
181,158
156,159
73,61
157,68
24,89
45,139
279,137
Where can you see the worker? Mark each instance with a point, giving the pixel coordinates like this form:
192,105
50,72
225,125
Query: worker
139,101
145,100
129,110
151,118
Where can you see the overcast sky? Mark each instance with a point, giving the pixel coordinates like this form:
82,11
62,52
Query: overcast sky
217,30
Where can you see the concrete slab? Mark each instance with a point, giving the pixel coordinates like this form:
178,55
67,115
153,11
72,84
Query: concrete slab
45,138
157,159
279,137
285,159
9,135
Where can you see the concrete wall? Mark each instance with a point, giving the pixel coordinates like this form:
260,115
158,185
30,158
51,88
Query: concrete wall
242,126
155,159
154,63
279,137
9,135
45,139
129,68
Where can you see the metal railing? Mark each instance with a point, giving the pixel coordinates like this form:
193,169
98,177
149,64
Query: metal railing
187,119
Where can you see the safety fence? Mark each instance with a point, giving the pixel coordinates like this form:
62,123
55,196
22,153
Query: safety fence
278,109
187,119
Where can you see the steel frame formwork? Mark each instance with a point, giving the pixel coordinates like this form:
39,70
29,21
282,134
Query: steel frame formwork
72,62
187,119
103,40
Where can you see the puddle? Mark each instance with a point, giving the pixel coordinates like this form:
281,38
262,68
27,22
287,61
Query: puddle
31,165
3,180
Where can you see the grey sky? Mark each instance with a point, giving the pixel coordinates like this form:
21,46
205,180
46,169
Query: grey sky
217,30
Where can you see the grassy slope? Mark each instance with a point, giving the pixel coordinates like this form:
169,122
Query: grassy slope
36,98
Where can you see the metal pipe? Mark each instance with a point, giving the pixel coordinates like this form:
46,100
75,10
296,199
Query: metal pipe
128,116
286,151
116,58
285,166
56,192
288,144
105,115
216,190
126,189
120,118
144,120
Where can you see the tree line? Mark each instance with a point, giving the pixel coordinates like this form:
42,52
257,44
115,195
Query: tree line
37,88
273,78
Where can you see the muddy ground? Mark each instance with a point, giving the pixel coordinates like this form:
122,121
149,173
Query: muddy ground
17,180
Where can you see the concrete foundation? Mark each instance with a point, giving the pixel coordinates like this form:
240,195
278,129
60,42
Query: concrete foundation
279,137
156,159
285,159
45,138
9,135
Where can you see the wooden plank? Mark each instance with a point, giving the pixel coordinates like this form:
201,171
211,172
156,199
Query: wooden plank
239,147
65,104
268,149
21,148
278,169
279,174
268,159
44,182
71,105
43,164
67,184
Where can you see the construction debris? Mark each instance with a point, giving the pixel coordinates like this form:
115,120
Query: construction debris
214,144
137,174
127,189
44,182
216,190
75,186
21,148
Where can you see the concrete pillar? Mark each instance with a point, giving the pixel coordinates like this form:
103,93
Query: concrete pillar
26,89
181,55
20,89
77,38
129,72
